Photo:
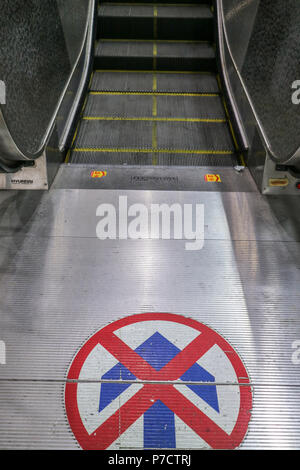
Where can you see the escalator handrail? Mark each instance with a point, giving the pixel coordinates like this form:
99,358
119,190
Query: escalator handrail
296,154
9,150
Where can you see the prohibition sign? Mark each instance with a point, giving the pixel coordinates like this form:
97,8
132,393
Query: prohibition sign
166,380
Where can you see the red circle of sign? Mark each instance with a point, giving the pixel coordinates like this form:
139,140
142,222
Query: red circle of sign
222,441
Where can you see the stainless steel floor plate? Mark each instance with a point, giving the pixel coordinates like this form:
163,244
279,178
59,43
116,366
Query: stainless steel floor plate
60,284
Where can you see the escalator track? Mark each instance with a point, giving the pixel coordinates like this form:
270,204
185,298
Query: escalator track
154,98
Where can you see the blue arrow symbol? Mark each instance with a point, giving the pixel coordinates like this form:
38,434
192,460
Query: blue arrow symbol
159,421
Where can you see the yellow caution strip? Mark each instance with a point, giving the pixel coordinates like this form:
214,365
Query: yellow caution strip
154,56
154,142
176,41
91,79
154,85
185,4
154,109
157,71
155,22
145,93
155,150
154,96
153,118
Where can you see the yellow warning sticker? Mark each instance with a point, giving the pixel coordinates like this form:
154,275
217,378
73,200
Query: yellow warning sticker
213,178
279,182
98,174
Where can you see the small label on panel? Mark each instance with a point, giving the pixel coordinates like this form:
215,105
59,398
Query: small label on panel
98,174
278,182
213,178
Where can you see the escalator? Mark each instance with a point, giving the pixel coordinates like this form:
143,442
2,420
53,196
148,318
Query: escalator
155,97
146,131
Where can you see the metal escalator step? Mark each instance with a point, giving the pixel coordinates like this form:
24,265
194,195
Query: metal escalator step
186,22
165,137
164,82
124,21
194,136
186,56
106,80
193,22
154,106
157,2
147,55
197,83
152,158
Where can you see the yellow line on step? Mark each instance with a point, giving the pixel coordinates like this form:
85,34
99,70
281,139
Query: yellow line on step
177,41
158,150
154,118
155,22
154,84
154,56
189,72
181,4
154,89
157,93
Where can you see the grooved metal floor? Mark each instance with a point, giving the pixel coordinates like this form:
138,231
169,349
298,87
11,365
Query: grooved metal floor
60,284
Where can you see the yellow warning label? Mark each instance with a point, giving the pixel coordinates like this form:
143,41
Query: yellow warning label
279,182
213,178
98,174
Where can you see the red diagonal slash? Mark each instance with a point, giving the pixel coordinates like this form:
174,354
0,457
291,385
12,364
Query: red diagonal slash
207,429
135,407
145,398
144,371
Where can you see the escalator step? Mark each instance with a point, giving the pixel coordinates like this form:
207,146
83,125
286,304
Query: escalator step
151,158
104,80
160,22
187,2
189,23
176,137
154,106
148,55
154,97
